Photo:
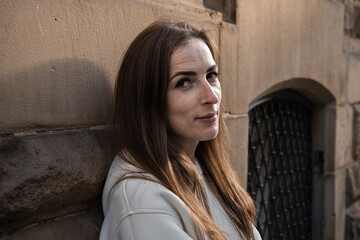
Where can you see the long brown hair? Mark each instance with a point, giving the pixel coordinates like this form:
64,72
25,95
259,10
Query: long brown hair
140,120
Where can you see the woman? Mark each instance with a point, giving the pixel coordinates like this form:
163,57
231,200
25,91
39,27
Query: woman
172,178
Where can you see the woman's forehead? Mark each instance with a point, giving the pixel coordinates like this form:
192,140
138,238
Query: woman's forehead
194,55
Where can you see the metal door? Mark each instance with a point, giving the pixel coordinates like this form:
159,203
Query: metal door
280,165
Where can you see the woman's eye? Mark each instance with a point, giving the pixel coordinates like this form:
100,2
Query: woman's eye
183,83
212,75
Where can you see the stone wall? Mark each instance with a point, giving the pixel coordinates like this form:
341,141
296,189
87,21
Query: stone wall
58,63
352,34
49,174
353,183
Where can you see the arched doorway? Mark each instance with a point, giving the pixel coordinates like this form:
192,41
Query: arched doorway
280,165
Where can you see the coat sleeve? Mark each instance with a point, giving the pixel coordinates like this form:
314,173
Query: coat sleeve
150,226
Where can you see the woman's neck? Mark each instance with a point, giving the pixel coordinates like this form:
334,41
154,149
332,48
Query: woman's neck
188,148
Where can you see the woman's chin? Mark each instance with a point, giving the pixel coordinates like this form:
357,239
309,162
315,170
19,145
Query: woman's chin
209,136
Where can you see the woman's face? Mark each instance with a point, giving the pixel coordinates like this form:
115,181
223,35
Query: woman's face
194,94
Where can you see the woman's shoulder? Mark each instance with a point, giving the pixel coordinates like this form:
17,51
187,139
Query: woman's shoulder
131,189
139,199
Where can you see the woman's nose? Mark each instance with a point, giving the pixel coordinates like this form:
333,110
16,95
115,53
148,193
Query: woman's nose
208,94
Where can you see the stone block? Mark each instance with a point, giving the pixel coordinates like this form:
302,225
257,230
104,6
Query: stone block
329,221
352,231
354,79
353,183
51,174
55,94
343,133
356,132
59,60
340,206
234,87
329,137
237,126
81,226
334,205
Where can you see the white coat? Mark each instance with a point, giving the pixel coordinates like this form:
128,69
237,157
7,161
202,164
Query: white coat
137,209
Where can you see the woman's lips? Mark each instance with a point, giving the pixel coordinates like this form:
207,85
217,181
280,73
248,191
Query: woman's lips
208,118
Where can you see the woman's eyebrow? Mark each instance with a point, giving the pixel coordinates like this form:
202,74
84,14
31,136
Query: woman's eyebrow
213,67
186,73
191,73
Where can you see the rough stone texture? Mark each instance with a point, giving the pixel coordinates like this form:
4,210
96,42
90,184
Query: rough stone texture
343,133
354,79
351,46
352,18
76,227
51,174
356,133
238,126
352,231
353,183
226,7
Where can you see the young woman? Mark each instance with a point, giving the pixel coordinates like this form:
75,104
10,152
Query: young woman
171,178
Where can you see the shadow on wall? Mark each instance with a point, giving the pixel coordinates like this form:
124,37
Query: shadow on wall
226,7
48,174
58,94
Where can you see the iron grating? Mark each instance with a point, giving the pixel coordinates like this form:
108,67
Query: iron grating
280,166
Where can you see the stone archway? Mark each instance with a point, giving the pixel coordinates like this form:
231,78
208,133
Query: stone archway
324,176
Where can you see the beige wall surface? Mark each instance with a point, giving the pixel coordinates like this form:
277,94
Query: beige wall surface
58,64
293,39
59,59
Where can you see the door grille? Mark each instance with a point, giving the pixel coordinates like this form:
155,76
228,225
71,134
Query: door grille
280,165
